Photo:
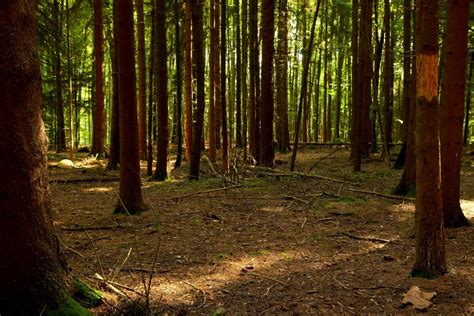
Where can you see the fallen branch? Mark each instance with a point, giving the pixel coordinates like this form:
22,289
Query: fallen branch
85,180
85,228
384,195
206,191
294,198
321,159
325,219
372,239
303,175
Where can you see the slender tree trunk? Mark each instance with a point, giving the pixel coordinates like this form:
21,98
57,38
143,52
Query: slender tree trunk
114,158
98,127
69,81
213,60
388,81
223,51
468,101
33,272
304,85
161,91
151,93
198,56
130,196
339,72
61,136
355,81
245,103
407,30
430,249
451,109
188,79
219,83
238,90
178,83
141,79
374,105
281,63
253,71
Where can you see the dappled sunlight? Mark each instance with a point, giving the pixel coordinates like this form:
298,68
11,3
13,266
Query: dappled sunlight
98,189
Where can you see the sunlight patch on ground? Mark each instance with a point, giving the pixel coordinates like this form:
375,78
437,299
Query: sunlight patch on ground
468,208
98,189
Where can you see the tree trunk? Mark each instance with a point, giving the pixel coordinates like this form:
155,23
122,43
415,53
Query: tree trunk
355,79
430,249
339,72
69,81
61,136
213,60
130,196
388,81
267,152
151,93
451,109
245,103
33,272
238,90
198,56
98,128
304,85
281,64
253,71
188,80
178,83
114,158
223,103
161,85
141,79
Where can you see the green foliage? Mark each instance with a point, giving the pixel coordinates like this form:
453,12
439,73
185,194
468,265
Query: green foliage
85,295
68,307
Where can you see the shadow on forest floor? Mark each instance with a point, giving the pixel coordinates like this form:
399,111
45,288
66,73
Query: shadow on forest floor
276,244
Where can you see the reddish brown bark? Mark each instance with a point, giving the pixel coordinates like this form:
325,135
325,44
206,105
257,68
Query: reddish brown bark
355,76
33,271
198,57
430,249
223,103
388,81
141,79
98,126
130,196
114,158
267,151
161,92
60,133
452,110
253,72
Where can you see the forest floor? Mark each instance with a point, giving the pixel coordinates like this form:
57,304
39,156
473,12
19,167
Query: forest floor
271,243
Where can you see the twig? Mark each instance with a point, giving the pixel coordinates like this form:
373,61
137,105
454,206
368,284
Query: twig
206,191
111,286
85,228
325,219
268,290
304,223
247,271
303,175
372,239
72,250
384,195
321,159
341,284
286,196
202,292
94,240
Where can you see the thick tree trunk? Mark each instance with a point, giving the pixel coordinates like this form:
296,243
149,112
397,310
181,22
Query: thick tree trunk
267,152
451,108
98,128
161,86
430,249
198,57
130,196
188,79
141,79
33,272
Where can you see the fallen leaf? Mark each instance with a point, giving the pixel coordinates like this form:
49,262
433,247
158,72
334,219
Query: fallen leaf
417,299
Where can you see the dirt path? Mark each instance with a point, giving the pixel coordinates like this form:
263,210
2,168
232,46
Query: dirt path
277,244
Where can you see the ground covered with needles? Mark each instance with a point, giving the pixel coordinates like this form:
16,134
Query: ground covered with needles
272,242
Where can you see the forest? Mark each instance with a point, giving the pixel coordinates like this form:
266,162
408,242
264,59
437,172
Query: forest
236,157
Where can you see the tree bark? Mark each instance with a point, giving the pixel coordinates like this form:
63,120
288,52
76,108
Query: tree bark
430,249
130,196
253,71
188,79
267,151
213,60
161,86
141,79
198,56
355,77
114,158
61,136
238,89
33,271
223,101
468,101
388,81
451,109
178,83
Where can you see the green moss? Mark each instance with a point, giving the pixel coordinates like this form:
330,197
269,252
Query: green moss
69,307
85,295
